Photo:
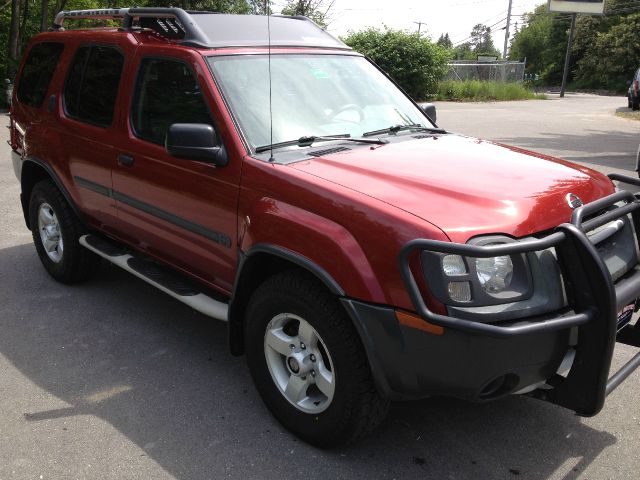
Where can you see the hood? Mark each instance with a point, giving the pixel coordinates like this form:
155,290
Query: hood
463,185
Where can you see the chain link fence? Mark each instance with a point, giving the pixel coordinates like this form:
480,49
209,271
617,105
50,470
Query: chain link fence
498,71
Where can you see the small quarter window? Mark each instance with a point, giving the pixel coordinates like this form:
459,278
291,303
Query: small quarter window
92,85
166,92
37,73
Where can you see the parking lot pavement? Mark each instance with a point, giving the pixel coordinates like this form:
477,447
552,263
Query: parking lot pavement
580,128
112,379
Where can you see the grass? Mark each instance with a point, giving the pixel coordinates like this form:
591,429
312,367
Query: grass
477,91
629,114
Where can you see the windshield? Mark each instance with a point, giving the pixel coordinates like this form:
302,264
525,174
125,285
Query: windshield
312,95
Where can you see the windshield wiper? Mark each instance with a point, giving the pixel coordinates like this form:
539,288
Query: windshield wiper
398,128
310,140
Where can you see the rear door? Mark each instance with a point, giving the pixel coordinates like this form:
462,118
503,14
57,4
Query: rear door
180,211
88,123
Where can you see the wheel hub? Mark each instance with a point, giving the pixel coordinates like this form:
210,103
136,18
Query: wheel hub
50,236
300,363
293,365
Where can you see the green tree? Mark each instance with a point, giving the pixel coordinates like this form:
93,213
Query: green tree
445,41
608,58
21,19
316,10
260,7
222,6
542,42
414,62
481,42
605,51
464,51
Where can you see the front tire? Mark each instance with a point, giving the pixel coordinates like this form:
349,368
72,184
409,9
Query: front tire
308,362
56,230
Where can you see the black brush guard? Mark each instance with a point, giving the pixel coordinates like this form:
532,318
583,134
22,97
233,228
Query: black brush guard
594,300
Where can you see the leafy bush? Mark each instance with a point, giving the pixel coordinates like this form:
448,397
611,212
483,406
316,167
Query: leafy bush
475,90
414,62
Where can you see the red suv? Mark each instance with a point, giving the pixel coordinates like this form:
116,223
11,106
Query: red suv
260,171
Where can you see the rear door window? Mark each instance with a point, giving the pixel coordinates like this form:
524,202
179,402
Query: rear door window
91,89
37,72
166,92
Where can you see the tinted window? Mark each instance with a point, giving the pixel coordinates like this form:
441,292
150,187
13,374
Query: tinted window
92,85
37,73
166,93
72,87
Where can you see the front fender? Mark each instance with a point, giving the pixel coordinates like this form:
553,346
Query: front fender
318,240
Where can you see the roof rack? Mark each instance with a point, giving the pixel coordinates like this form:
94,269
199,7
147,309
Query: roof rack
192,35
213,30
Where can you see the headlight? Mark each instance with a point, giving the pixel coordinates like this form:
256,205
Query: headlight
503,287
494,274
478,281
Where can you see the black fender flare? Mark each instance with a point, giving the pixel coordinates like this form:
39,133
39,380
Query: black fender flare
242,288
24,199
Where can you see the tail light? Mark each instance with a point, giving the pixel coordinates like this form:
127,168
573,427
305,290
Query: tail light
636,86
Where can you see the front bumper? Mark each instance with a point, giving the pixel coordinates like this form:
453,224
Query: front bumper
470,358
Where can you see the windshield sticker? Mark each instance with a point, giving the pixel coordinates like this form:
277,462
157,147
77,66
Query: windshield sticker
319,73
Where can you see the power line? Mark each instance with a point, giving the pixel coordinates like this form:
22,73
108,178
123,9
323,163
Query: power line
490,27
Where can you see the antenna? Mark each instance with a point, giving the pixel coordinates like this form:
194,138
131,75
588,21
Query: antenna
266,9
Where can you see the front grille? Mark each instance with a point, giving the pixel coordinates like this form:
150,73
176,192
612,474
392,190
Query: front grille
617,246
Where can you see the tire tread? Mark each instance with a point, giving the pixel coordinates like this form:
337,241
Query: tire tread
366,408
78,263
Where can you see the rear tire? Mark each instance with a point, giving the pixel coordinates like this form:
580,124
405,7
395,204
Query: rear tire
321,390
635,104
56,230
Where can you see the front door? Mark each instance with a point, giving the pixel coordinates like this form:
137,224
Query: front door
180,211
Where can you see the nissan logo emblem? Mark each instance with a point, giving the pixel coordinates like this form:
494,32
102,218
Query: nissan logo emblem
574,200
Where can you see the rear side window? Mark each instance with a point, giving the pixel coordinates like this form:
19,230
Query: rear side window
166,92
92,85
37,73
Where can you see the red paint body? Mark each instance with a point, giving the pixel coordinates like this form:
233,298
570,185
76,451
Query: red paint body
349,213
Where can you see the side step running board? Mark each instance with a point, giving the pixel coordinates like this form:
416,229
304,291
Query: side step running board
163,279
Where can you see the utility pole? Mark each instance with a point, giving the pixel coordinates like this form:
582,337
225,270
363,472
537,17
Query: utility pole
506,33
567,59
420,25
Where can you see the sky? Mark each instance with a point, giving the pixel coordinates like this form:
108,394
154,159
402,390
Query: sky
456,17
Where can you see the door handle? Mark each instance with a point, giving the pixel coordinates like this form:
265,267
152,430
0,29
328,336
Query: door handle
125,160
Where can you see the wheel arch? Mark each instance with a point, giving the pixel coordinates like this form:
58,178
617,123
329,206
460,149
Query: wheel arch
256,265
33,171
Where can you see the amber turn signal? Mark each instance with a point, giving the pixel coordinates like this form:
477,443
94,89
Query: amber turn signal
414,321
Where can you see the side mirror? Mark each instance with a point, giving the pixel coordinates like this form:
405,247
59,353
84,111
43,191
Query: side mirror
195,141
430,110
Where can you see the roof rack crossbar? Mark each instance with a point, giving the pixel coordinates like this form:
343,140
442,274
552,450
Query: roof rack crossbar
93,14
